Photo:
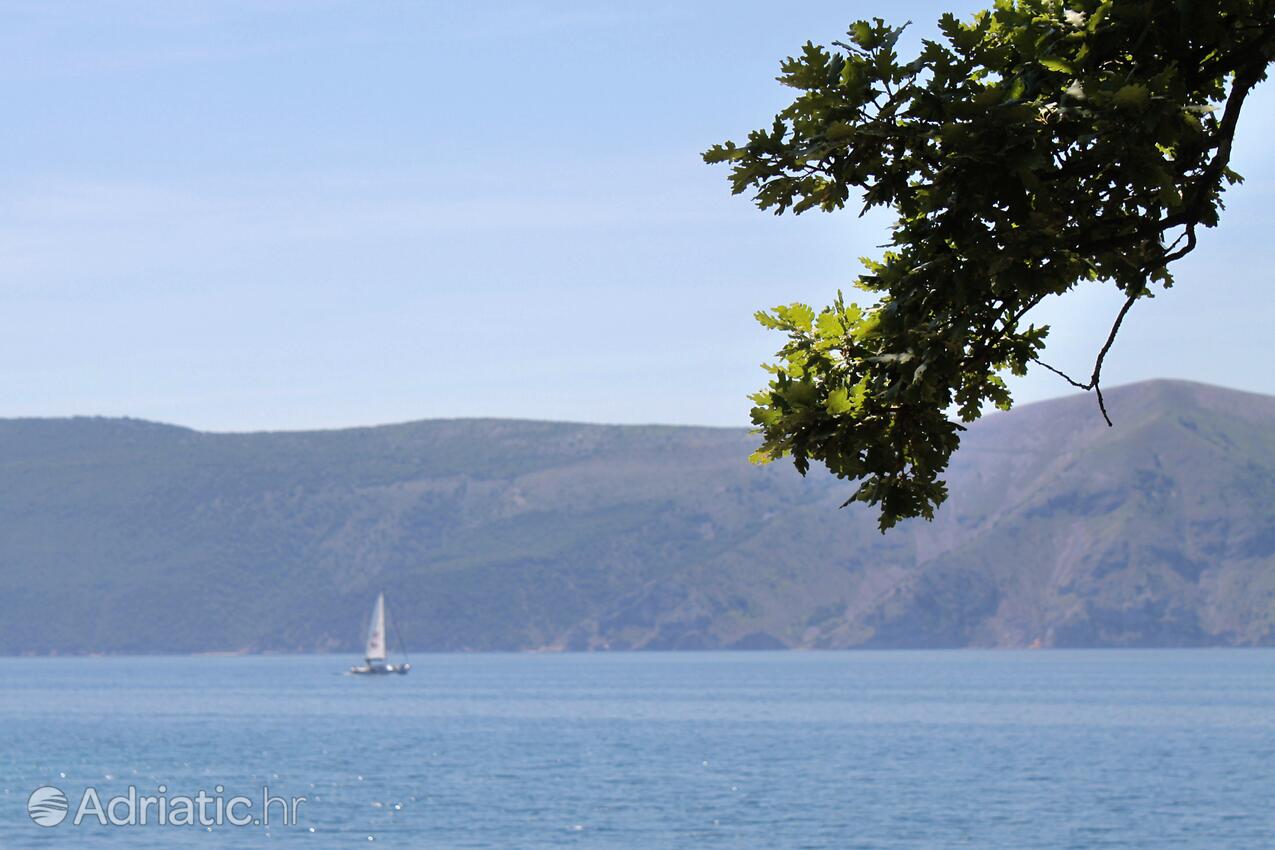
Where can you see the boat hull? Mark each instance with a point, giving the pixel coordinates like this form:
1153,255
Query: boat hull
380,669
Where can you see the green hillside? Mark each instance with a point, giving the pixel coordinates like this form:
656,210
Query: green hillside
128,536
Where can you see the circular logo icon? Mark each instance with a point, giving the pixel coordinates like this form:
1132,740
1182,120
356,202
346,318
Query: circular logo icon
47,806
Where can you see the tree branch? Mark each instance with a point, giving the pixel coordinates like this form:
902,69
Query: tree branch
1211,176
1095,379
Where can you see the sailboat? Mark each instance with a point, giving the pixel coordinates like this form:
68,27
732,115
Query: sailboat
375,655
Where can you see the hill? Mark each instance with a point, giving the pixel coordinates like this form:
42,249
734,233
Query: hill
128,536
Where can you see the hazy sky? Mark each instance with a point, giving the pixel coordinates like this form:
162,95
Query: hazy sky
313,214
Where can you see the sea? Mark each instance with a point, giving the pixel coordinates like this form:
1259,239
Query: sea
746,750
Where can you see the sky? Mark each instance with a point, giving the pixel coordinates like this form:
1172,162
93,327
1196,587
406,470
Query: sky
289,215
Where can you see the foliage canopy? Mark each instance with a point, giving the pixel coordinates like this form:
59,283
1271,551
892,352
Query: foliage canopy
1039,145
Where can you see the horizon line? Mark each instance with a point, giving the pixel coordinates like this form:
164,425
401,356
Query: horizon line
1074,394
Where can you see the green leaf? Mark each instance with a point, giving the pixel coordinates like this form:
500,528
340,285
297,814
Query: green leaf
765,319
1132,96
862,33
829,325
761,457
839,402
800,394
796,315
858,394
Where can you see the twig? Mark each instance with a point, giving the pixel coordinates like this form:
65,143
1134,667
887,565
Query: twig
1096,378
1102,355
1060,373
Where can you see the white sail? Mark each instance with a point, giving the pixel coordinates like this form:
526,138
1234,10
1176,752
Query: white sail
376,631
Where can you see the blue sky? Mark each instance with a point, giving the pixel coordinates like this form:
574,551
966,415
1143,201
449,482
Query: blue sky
242,216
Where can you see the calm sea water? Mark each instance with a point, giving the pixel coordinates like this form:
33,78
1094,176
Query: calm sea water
1113,749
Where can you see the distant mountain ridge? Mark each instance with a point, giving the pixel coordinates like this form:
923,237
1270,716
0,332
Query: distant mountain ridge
128,536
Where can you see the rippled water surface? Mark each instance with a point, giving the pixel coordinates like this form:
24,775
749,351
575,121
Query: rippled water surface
1106,749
